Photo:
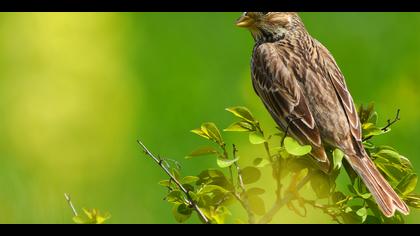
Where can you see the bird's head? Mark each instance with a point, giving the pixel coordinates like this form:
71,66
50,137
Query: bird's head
269,26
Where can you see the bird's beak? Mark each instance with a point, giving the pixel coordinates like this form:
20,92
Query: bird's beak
245,22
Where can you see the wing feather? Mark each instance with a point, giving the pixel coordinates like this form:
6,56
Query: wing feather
338,81
278,87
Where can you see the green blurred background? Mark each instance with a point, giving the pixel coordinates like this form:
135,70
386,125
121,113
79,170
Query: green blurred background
78,89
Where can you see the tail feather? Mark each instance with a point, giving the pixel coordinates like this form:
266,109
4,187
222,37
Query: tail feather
387,199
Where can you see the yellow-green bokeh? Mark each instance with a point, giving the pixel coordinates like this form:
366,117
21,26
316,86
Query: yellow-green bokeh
78,89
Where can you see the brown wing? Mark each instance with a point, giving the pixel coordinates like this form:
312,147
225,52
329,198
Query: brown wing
276,84
337,79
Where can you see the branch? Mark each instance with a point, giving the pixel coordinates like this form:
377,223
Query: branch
281,202
244,202
68,199
390,123
190,201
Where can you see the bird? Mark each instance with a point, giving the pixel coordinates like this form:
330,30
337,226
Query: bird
304,90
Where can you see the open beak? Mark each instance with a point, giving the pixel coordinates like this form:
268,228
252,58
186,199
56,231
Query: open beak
245,22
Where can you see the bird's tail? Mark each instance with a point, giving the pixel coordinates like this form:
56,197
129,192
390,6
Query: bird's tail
385,196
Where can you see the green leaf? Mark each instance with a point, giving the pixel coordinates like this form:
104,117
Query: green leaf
368,145
256,137
370,129
92,216
320,183
181,212
413,200
372,220
242,112
211,188
217,215
350,215
212,131
189,179
203,151
175,196
294,148
256,204
165,183
362,212
250,175
337,158
365,113
261,162
224,163
408,184
200,132
373,118
389,155
241,126
81,220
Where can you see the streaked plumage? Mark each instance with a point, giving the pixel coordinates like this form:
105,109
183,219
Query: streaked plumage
302,87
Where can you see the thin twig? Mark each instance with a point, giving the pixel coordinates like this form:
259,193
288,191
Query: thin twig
244,199
190,201
226,156
323,208
281,202
390,123
68,199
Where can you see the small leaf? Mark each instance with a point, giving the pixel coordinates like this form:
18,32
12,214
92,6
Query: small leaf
241,126
256,138
389,155
373,118
337,158
224,163
81,220
242,112
351,217
181,212
294,148
408,184
261,162
92,216
211,130
211,188
200,132
189,179
413,200
362,212
250,175
165,183
256,204
175,196
365,113
365,195
372,220
214,177
203,151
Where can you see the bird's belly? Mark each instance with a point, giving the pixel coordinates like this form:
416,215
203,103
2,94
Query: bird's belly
327,111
